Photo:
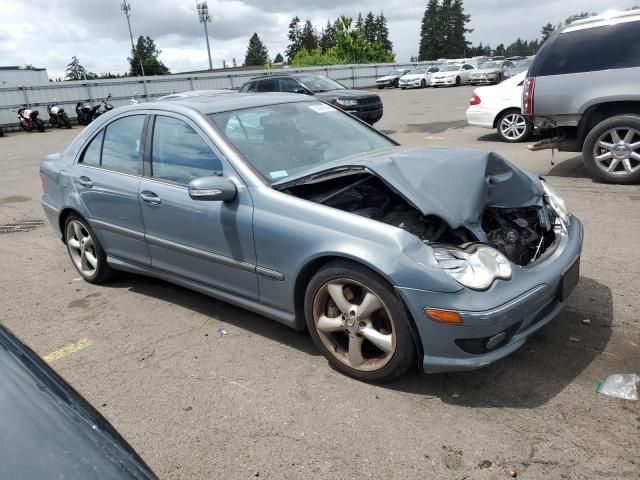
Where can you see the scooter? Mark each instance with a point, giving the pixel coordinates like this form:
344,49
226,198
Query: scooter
103,108
84,113
29,120
57,116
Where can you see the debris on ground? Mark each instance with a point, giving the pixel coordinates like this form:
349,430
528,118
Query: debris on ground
222,332
512,473
574,339
620,385
586,321
485,464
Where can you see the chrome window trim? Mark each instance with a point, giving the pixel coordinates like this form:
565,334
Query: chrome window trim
112,170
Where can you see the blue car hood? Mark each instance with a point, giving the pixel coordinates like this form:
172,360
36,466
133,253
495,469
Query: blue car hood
453,184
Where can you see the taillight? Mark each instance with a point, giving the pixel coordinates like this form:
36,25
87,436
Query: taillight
43,183
475,99
527,96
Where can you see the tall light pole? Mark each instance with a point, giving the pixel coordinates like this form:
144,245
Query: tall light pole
126,9
203,14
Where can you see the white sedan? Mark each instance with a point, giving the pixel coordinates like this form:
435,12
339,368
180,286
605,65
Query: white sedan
498,106
418,78
452,74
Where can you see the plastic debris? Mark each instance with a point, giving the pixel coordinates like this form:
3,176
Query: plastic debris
620,385
512,473
574,339
586,321
222,332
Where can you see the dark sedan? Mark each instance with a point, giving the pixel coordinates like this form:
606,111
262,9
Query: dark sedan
364,105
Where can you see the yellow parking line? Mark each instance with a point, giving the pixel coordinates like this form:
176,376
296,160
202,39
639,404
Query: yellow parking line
67,349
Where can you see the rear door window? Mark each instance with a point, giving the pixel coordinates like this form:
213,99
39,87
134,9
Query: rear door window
91,155
121,148
593,49
288,85
266,85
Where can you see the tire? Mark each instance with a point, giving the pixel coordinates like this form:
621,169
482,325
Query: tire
458,81
339,338
509,126
622,164
396,83
102,272
380,87
25,128
423,83
65,121
39,124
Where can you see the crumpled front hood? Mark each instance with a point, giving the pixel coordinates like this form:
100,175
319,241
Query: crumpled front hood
453,184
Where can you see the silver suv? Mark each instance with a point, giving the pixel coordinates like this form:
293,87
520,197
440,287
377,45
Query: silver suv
583,88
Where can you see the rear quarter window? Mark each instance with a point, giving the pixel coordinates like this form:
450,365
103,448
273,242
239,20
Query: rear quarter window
592,49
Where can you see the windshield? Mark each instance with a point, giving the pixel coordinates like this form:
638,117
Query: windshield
491,65
288,139
526,63
452,68
393,73
319,83
418,71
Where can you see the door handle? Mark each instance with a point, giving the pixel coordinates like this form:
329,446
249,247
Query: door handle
85,181
150,198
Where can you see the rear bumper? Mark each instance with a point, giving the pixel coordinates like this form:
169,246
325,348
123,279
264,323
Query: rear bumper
513,309
480,117
443,81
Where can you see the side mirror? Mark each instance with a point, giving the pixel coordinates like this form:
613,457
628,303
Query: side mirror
212,189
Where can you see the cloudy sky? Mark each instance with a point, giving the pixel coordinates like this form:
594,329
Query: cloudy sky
46,33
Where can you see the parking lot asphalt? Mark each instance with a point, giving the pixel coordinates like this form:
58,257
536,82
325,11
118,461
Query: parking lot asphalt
262,402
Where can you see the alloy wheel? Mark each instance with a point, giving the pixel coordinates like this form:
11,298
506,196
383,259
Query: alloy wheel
81,248
513,126
617,151
354,324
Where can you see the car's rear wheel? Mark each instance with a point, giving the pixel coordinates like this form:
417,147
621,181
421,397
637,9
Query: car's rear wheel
458,81
358,322
611,151
423,83
396,83
513,127
85,250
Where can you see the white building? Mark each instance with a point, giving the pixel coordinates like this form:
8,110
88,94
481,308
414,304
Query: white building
19,77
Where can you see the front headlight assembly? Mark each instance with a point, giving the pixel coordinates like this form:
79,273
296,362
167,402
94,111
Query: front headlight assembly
476,267
556,203
347,102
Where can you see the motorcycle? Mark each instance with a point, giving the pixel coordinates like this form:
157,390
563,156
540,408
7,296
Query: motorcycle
134,99
103,107
29,119
57,116
84,113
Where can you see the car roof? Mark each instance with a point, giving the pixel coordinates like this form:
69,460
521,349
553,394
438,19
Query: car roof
292,74
221,101
607,18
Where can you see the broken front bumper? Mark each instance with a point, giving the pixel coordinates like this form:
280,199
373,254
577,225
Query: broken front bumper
497,321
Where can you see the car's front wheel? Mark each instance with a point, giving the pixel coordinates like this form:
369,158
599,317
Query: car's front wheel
611,151
85,250
513,127
358,322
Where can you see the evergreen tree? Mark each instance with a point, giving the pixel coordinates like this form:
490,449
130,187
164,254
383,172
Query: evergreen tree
74,70
146,51
295,38
578,16
359,23
430,33
309,36
278,59
257,53
369,28
546,31
328,37
382,33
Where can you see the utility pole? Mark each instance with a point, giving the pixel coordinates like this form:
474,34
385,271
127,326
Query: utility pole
126,9
203,15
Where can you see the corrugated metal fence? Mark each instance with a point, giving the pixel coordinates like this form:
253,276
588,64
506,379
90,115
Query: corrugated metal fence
122,90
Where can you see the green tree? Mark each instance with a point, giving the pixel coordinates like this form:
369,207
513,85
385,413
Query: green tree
546,31
430,32
309,36
257,53
359,22
74,70
295,38
278,59
328,37
369,28
578,16
382,33
147,52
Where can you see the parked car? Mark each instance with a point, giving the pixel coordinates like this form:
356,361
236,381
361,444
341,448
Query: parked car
582,91
50,431
418,78
518,67
362,104
392,78
282,204
498,106
453,74
490,72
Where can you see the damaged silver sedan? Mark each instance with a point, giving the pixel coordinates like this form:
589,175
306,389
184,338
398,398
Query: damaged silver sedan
390,257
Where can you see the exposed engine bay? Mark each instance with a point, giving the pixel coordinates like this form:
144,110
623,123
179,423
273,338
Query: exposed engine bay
521,234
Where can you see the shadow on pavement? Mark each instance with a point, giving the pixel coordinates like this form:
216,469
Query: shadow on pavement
571,168
216,310
549,361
